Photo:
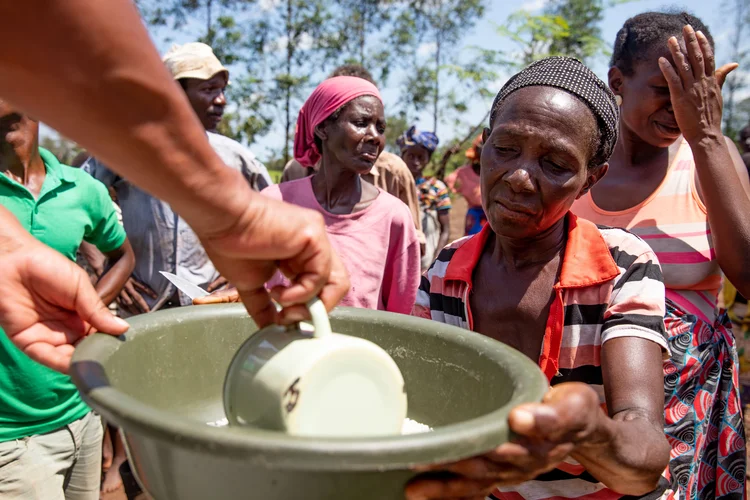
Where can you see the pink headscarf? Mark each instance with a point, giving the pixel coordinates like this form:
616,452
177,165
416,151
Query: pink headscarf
322,103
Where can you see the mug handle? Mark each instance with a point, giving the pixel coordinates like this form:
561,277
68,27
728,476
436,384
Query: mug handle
319,318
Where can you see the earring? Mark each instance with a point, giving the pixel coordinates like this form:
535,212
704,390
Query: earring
618,100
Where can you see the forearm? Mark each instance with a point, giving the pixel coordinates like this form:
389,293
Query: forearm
628,454
94,257
113,280
445,233
111,283
728,207
117,99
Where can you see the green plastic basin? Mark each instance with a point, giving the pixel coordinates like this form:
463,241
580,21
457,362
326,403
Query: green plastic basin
162,382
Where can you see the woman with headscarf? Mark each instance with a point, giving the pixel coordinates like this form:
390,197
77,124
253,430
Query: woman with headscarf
342,126
585,302
465,181
435,201
678,183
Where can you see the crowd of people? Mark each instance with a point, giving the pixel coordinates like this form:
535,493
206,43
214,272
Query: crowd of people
602,219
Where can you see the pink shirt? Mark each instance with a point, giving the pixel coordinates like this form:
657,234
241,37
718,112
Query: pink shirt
465,182
378,246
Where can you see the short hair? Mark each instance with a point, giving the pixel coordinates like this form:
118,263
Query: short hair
642,33
353,70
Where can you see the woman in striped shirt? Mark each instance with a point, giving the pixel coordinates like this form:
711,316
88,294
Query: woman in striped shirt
676,182
586,302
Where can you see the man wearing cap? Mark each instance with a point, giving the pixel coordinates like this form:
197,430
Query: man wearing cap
161,239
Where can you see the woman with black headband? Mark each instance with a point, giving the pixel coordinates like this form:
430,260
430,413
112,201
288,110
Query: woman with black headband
678,183
585,302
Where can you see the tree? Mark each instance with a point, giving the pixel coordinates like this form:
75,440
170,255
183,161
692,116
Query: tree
236,39
177,14
298,52
533,36
735,117
565,28
360,36
440,24
582,37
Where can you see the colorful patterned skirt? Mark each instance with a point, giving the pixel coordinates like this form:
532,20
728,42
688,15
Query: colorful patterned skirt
703,413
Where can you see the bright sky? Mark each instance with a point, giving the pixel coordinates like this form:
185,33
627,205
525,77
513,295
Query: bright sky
484,34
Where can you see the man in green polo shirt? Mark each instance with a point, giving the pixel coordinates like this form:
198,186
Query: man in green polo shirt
50,441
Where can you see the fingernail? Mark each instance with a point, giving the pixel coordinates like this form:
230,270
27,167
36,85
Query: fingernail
121,322
523,419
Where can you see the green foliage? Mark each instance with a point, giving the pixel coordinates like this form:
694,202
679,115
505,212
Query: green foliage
359,35
566,27
299,28
277,50
533,36
275,175
222,24
441,24
583,36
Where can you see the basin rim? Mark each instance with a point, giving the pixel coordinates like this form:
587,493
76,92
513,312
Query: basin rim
278,450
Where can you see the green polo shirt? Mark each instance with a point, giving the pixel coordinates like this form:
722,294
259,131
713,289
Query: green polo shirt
72,207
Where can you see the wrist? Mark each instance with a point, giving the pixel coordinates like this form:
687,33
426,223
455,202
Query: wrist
600,434
707,139
221,198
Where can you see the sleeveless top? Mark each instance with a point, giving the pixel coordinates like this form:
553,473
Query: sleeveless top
673,221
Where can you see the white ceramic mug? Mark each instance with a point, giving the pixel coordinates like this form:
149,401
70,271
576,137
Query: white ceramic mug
324,385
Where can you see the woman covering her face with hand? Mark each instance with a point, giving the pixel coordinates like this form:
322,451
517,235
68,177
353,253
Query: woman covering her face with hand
585,302
679,184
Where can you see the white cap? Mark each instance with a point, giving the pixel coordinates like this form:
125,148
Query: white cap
193,60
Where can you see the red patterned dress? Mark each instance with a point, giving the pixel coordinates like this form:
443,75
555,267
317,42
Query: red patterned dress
703,414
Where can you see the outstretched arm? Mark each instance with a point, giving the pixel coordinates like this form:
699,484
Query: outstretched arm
112,94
